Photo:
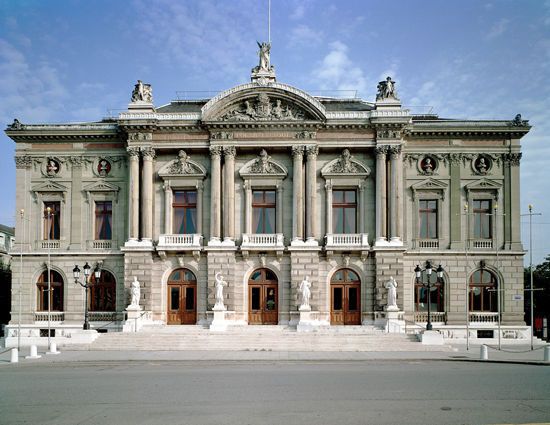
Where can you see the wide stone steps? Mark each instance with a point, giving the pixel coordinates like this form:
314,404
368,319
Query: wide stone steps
255,338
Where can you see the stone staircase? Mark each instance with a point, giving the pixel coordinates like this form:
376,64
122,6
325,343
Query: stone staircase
256,338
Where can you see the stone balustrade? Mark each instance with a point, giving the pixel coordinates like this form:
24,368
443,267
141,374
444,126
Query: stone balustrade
262,241
347,241
183,241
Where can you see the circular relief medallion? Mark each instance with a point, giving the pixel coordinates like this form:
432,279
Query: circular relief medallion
482,164
52,167
428,165
103,167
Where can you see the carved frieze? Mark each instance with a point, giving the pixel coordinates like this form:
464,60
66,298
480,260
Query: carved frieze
388,134
140,137
264,109
305,135
222,135
24,161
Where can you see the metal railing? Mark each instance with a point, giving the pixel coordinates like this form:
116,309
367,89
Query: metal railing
102,316
482,317
55,316
436,316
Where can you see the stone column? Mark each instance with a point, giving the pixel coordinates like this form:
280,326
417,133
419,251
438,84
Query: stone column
76,207
279,209
381,193
362,207
328,187
297,194
134,192
247,207
215,194
394,157
399,194
167,209
148,154
229,153
200,187
311,192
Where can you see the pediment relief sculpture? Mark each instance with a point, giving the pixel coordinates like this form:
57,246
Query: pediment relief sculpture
182,165
345,165
263,164
49,186
430,185
262,108
483,184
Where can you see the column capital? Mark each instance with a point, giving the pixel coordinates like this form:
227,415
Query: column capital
23,161
394,151
229,151
148,153
133,152
166,186
312,150
381,150
216,150
297,150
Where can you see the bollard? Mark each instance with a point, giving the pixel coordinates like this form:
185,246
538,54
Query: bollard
33,354
53,349
14,355
483,353
547,353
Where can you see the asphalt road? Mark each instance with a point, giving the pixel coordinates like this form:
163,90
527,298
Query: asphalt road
261,392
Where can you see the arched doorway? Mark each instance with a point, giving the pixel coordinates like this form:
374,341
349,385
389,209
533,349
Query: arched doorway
55,300
182,298
345,298
262,298
103,293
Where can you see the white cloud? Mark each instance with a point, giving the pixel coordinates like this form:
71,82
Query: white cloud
498,28
299,11
338,72
303,35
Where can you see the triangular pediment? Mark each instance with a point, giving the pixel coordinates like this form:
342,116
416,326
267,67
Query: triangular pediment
483,184
182,166
101,186
345,165
253,103
430,185
49,186
263,166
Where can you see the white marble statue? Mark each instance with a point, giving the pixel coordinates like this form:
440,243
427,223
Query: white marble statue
142,93
305,289
135,291
220,283
391,286
265,48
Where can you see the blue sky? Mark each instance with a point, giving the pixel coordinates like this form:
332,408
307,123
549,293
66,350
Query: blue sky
64,61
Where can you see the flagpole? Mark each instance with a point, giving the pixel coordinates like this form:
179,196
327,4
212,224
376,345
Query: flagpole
269,21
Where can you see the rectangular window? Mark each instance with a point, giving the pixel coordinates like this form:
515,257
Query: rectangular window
482,219
185,212
103,220
344,211
263,211
52,220
427,213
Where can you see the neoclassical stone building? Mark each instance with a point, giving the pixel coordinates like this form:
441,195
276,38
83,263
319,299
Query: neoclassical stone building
267,184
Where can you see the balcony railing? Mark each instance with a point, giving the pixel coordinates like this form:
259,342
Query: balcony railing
481,244
436,316
102,316
102,244
263,241
347,241
187,241
55,316
49,244
427,243
482,317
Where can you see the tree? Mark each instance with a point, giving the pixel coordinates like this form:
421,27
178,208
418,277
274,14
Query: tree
541,299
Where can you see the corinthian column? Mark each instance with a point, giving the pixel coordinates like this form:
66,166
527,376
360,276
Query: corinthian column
148,154
381,199
229,193
215,194
134,193
297,194
394,186
311,192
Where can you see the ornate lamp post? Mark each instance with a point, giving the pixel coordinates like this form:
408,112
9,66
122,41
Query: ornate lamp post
86,285
418,271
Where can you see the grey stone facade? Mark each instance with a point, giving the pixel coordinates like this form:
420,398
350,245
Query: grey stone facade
314,146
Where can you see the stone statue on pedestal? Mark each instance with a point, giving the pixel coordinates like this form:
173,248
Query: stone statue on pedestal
135,292
386,89
142,93
391,286
305,289
220,283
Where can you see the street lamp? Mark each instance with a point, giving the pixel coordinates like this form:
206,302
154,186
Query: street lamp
418,271
86,285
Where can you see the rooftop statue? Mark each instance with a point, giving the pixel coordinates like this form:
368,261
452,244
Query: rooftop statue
142,93
386,90
264,52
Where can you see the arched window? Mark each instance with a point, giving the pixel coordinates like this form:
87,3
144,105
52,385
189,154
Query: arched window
102,295
483,294
437,294
55,299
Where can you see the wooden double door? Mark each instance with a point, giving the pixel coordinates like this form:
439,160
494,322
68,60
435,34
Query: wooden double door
345,298
263,308
182,298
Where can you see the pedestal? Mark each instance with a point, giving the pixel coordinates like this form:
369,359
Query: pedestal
431,338
393,323
307,322
218,323
133,322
